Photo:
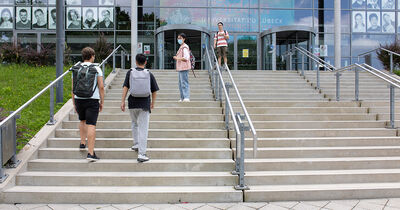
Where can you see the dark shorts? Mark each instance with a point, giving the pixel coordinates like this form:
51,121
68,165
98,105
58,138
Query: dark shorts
222,51
88,109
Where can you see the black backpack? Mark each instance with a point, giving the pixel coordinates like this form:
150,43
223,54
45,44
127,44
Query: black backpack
84,78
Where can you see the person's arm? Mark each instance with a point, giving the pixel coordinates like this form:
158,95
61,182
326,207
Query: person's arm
186,55
153,99
100,84
226,35
215,41
124,93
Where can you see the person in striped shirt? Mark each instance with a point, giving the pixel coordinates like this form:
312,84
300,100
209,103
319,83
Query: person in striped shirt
221,43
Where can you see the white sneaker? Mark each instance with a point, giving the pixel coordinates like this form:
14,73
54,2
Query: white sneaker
134,148
186,100
142,158
180,100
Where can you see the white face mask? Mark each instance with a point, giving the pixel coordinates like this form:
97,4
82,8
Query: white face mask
180,41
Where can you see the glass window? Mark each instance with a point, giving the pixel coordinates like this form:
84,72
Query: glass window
364,43
77,40
124,18
303,17
145,3
182,3
196,16
48,40
232,3
247,52
146,18
273,18
235,19
278,4
27,40
328,41
39,2
4,2
344,4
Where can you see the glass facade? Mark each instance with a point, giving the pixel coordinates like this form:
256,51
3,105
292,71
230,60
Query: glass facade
365,23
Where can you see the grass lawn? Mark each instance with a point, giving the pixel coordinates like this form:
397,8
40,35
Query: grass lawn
19,83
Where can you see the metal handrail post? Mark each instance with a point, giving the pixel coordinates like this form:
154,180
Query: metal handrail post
227,86
113,63
241,185
122,59
302,64
290,62
392,110
220,90
51,120
357,85
3,175
216,86
337,86
391,63
318,81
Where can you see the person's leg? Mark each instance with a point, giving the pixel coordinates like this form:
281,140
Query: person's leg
185,85
219,52
83,131
92,113
225,53
180,84
143,121
91,136
134,118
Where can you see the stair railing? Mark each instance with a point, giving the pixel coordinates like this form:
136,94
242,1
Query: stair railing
8,127
391,54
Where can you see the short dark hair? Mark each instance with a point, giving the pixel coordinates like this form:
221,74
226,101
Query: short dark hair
23,10
87,53
373,15
74,11
220,23
141,59
38,10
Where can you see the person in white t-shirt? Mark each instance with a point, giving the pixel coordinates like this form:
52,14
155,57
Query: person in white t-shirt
221,43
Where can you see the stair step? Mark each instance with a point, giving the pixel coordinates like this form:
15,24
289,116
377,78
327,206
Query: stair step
152,125
122,194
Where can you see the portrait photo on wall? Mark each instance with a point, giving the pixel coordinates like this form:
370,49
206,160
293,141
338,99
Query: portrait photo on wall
388,22
52,17
6,17
374,22
373,4
358,21
388,4
106,2
106,19
39,18
22,1
74,18
23,18
40,2
90,17
359,4
73,2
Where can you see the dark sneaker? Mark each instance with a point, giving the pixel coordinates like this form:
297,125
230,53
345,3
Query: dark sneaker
142,158
134,148
92,158
82,146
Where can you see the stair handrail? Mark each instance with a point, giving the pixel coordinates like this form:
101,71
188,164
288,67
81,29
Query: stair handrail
218,85
391,53
246,113
311,56
9,123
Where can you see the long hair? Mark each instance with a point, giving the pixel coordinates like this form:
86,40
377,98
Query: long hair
2,13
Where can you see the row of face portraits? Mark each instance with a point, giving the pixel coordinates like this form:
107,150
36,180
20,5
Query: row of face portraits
45,18
374,4
377,22
68,2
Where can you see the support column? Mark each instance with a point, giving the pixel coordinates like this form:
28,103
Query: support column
60,45
337,29
134,31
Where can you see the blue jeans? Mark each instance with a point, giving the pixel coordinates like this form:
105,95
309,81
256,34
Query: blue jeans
184,88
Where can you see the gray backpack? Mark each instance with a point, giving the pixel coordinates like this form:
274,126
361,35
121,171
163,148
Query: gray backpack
139,83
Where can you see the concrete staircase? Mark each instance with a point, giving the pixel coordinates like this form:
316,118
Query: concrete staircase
190,153
311,148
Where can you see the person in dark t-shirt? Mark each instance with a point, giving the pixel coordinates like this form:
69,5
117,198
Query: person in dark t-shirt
140,109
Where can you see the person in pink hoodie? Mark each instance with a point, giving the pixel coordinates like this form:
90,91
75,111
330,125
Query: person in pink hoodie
183,66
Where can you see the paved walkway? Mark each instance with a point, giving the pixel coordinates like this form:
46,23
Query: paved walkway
372,204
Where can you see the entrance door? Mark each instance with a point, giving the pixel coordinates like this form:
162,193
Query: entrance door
277,41
167,44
